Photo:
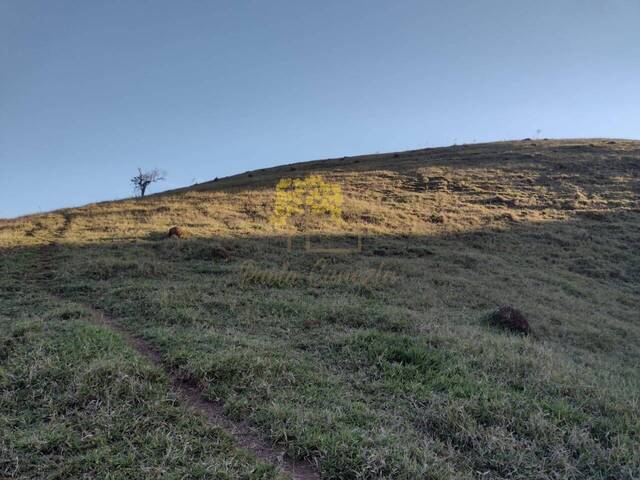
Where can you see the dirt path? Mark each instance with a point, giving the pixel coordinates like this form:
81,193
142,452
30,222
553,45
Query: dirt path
213,411
190,395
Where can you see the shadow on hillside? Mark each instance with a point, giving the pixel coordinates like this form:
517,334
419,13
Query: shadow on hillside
608,242
577,280
392,338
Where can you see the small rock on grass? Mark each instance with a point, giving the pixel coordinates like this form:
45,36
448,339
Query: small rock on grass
176,232
508,318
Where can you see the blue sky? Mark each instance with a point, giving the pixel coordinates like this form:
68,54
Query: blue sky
90,90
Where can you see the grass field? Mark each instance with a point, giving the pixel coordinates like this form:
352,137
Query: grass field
371,364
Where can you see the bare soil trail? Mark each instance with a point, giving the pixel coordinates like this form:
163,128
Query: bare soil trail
189,394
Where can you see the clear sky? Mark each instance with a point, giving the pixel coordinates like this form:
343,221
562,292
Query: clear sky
92,89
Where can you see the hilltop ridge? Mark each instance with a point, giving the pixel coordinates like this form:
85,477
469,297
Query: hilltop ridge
501,148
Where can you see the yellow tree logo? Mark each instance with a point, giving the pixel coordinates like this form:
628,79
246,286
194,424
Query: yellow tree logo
303,200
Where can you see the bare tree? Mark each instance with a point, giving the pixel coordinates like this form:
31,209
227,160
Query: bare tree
144,179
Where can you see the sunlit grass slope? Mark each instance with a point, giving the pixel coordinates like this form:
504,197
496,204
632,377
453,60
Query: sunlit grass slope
375,364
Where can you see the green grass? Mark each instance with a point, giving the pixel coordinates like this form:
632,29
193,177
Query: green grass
363,381
376,364
76,402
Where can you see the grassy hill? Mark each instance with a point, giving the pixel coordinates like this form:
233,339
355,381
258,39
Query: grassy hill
372,364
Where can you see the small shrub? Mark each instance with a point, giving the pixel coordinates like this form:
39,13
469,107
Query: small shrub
436,217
